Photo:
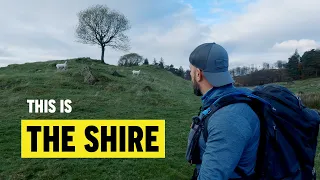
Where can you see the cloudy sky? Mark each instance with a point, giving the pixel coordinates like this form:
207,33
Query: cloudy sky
252,31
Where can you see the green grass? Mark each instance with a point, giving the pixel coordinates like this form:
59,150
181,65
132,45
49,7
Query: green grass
308,90
307,86
169,97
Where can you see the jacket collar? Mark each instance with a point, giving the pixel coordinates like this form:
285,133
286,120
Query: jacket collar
214,93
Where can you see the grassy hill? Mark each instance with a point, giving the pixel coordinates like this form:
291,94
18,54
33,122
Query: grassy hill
154,94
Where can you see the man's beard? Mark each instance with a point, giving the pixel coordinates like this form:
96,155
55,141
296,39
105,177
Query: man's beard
196,89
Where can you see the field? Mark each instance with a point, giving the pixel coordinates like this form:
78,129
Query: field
155,94
308,90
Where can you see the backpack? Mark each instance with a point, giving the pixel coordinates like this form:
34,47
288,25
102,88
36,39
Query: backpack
288,138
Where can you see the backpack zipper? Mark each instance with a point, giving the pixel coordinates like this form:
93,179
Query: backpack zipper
275,132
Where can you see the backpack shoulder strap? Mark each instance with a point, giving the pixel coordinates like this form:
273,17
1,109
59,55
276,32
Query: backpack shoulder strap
225,101
220,103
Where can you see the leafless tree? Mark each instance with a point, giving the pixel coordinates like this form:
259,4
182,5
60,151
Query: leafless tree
98,25
266,65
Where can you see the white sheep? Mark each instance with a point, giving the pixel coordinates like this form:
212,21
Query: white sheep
135,72
62,66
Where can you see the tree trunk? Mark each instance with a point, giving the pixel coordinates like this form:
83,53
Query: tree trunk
102,53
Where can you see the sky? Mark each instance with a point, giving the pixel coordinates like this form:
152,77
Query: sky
252,31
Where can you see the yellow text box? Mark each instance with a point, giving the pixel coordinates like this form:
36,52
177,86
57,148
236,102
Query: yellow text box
93,138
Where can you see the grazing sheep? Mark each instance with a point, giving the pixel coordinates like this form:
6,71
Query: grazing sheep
62,66
135,72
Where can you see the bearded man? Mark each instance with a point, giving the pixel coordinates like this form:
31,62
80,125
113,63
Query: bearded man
230,149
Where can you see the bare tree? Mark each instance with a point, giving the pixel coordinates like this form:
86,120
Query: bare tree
266,65
280,64
252,68
161,63
187,75
98,25
232,72
155,62
238,71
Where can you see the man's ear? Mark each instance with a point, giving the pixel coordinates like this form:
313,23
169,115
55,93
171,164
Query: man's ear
199,75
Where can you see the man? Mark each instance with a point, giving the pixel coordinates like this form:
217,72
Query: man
234,130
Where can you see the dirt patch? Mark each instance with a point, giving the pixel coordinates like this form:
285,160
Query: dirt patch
147,89
115,73
115,88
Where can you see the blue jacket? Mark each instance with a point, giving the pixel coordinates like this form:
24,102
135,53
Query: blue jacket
233,138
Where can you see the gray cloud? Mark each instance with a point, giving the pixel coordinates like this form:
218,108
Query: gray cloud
44,30
159,29
250,37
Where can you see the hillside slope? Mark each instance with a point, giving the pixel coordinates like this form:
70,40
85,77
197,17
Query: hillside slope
154,94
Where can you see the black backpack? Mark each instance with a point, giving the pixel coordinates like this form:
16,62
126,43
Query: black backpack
289,132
